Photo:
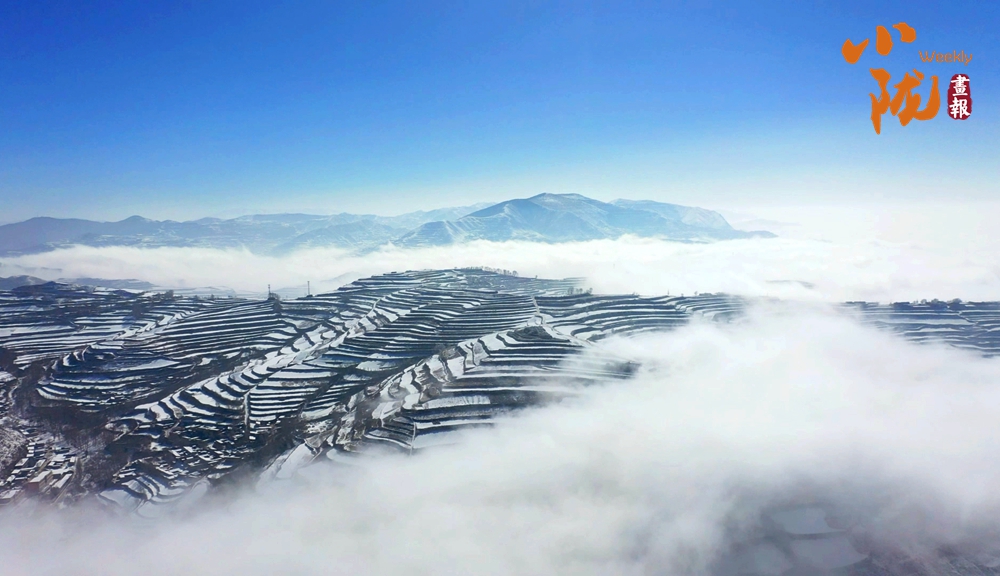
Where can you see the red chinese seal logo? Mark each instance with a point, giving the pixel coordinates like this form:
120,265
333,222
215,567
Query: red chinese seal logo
959,97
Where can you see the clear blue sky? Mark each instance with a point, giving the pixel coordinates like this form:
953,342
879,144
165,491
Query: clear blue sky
188,109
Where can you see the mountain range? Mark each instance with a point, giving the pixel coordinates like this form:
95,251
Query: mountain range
146,403
541,218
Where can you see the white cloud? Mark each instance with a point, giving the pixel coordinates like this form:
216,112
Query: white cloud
844,253
653,475
781,267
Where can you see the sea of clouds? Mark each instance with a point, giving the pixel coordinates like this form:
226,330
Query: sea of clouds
659,474
897,253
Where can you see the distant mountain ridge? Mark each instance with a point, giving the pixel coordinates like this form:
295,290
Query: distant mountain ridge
541,218
11,282
572,217
260,233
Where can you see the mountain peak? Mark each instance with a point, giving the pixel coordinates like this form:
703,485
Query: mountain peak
135,219
552,195
550,217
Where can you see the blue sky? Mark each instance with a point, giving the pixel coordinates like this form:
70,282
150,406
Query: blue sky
189,109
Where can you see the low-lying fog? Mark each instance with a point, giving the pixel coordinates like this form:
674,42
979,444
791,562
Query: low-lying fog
887,253
654,475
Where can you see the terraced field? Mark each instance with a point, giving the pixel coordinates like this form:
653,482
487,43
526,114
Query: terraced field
140,399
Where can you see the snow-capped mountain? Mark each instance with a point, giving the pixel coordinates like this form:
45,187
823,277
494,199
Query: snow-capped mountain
260,233
544,218
194,389
572,217
146,401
